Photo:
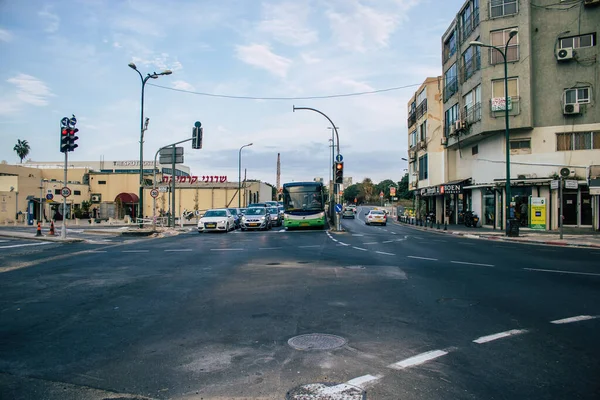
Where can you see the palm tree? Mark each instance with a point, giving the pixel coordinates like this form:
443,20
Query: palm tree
22,149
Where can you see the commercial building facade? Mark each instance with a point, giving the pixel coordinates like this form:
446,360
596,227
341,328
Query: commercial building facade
552,102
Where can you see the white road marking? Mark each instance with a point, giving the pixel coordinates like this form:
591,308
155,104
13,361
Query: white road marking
388,241
417,237
368,243
359,248
135,251
308,247
226,249
97,251
496,336
364,380
2,241
561,272
357,234
439,240
418,359
344,244
384,253
281,230
269,248
175,250
23,245
573,319
469,263
394,233
423,258
335,240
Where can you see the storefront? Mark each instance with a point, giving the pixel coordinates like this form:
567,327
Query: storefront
447,201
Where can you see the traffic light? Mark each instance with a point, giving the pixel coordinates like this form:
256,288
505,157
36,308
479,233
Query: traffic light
197,137
73,139
64,140
339,172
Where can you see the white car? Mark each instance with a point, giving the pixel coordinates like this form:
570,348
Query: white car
216,220
376,217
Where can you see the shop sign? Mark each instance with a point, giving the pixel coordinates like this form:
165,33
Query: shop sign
537,213
195,179
570,184
498,104
132,163
451,189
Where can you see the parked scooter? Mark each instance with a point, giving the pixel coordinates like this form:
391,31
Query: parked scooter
471,219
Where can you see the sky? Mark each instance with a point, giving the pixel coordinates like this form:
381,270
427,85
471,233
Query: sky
70,57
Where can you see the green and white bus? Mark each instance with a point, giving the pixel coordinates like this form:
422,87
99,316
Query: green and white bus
303,205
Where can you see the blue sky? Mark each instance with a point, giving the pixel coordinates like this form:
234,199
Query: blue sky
70,57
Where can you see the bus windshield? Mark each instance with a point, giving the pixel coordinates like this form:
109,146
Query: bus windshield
303,198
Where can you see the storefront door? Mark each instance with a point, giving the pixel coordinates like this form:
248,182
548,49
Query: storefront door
586,208
570,208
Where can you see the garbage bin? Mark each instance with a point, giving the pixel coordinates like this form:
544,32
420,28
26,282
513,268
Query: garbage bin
513,227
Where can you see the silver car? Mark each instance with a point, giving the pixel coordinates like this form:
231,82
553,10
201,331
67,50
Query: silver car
276,219
256,218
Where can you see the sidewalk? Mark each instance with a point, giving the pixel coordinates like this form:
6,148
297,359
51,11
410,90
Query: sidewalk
571,237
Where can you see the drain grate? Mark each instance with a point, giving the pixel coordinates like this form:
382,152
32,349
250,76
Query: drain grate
326,391
317,341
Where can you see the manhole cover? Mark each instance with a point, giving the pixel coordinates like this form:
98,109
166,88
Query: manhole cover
326,391
317,341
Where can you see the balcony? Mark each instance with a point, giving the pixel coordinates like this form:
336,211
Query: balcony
512,54
470,67
412,119
466,30
450,88
422,109
472,114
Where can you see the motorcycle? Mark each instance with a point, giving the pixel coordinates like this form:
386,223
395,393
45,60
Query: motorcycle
471,219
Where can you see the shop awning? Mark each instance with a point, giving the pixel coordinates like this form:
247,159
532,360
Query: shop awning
127,198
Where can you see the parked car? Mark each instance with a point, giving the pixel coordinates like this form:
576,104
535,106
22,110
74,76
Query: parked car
348,213
216,220
256,218
252,205
271,203
276,217
236,216
376,217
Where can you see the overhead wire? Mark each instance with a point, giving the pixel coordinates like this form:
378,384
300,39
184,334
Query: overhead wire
332,96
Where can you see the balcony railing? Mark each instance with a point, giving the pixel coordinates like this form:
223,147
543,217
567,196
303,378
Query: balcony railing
471,65
450,88
466,30
497,106
412,119
422,109
472,114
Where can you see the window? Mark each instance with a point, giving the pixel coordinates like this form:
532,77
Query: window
466,22
576,42
450,116
475,150
472,102
422,96
423,131
423,167
77,192
471,61
101,182
521,146
498,87
578,141
502,8
499,39
449,46
56,191
450,82
475,12
577,95
413,138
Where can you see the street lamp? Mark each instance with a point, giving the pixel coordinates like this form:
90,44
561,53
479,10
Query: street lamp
143,128
240,174
511,34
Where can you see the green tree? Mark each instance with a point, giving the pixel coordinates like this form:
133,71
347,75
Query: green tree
384,186
403,191
367,189
22,149
352,192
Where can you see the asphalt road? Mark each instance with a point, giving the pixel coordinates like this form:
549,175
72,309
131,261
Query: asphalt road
425,316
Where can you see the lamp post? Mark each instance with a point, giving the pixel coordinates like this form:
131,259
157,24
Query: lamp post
143,128
240,174
511,34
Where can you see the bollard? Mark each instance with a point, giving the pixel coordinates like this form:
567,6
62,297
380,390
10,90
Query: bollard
39,229
438,224
52,233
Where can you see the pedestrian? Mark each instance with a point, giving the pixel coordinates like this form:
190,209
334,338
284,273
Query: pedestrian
523,211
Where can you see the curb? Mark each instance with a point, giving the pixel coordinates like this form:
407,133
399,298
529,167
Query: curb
55,239
502,238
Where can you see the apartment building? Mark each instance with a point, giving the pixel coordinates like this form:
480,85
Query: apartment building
553,90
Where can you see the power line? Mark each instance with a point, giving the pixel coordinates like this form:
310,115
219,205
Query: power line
285,98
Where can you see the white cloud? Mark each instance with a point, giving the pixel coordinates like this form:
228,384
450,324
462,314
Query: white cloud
309,58
52,20
5,36
160,62
31,90
261,56
117,45
182,85
287,23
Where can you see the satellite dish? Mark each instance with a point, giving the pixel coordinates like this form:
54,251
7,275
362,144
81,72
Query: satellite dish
564,172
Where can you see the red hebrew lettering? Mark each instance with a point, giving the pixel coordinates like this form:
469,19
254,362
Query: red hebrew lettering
193,179
223,179
204,178
165,179
212,179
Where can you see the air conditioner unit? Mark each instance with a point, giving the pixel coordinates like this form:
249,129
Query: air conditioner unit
564,54
591,2
444,141
569,109
96,198
411,154
458,125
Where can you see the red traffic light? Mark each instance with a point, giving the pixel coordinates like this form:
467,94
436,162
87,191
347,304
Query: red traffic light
64,132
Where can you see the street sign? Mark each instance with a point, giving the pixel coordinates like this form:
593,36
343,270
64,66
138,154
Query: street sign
197,124
394,198
554,184
49,196
380,194
339,158
154,193
169,159
163,189
570,184
65,192
169,151
392,191
338,208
